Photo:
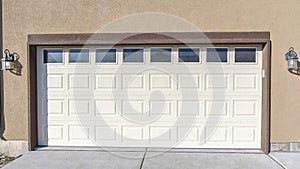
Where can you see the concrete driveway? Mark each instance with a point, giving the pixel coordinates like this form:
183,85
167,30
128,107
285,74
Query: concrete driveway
136,160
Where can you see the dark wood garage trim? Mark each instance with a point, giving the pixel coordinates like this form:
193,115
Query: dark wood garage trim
160,38
175,38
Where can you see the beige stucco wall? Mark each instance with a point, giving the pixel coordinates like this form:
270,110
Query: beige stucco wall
280,17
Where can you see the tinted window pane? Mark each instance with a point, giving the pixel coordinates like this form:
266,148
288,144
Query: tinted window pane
216,55
245,55
188,55
133,55
79,55
106,55
161,54
53,56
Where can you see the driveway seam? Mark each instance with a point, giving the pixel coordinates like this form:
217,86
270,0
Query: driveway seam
142,162
276,161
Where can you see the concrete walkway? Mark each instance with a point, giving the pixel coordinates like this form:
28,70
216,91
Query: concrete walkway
287,159
137,160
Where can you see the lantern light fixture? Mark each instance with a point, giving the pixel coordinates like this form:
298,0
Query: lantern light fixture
7,60
293,63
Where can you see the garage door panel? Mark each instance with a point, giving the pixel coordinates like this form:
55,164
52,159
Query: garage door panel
191,82
78,132
161,108
133,107
79,81
166,94
189,69
245,81
137,95
188,108
133,134
80,107
161,81
161,134
55,107
106,134
133,82
244,134
198,136
103,119
219,108
235,108
216,81
217,134
105,82
186,134
55,81
56,132
105,107
247,108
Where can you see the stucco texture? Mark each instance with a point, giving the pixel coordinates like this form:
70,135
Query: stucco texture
280,17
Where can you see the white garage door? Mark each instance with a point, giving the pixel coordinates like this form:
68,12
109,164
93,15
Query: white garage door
150,96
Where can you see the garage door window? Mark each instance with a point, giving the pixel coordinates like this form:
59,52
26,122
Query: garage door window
216,55
161,54
105,55
133,55
188,54
53,56
245,55
79,56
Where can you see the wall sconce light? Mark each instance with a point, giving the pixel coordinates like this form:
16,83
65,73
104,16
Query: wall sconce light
7,60
292,59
